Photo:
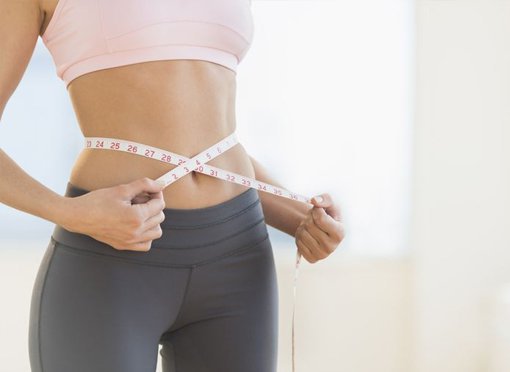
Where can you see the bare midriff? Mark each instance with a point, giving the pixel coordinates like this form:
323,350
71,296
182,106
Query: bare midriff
183,106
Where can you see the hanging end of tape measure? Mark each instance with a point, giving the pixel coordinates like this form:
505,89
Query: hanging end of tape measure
298,259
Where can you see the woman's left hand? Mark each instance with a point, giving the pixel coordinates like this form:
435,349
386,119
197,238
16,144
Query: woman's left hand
321,231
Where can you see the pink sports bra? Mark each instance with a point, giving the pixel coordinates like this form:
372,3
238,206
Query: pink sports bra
89,35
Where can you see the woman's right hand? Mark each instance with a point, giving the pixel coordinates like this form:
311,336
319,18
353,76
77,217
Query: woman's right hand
126,216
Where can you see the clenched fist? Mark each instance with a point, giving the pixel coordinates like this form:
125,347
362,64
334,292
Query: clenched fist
321,231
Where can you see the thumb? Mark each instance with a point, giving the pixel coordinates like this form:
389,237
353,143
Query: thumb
143,185
325,201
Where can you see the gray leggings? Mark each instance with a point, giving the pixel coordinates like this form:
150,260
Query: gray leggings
206,291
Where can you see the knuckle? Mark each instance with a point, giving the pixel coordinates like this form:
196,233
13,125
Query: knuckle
133,236
322,219
129,240
314,215
321,241
328,249
339,234
136,220
332,237
122,189
131,218
303,231
298,233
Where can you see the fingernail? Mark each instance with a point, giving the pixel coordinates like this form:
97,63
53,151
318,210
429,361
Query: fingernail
160,182
318,199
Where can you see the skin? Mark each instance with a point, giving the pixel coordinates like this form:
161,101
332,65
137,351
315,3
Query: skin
180,105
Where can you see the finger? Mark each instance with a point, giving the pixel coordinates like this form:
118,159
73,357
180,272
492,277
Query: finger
310,241
316,250
140,246
325,201
141,185
325,241
305,251
325,222
156,195
145,196
154,233
154,220
140,199
151,208
122,246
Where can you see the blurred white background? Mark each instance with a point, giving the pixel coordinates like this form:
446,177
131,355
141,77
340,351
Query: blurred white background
400,109
310,97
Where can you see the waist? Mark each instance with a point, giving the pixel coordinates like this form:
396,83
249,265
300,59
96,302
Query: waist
99,168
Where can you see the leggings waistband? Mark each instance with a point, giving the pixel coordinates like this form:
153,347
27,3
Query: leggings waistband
191,237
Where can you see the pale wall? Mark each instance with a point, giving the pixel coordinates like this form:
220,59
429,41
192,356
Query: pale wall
462,180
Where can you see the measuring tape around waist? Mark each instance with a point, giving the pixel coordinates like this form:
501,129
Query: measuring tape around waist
197,163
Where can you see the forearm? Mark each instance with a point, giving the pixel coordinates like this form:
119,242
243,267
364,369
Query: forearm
281,213
22,192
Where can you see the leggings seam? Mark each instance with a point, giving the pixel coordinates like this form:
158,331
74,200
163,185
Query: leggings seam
233,253
252,205
81,252
186,290
260,220
222,239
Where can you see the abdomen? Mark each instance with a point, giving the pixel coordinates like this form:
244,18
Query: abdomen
183,106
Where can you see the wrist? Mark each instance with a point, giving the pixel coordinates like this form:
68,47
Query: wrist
297,215
285,215
64,212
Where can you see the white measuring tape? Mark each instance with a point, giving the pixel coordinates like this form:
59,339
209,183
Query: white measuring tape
197,163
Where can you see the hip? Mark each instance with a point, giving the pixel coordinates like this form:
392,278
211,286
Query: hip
191,237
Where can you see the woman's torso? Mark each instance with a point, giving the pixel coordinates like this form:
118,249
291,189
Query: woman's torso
183,106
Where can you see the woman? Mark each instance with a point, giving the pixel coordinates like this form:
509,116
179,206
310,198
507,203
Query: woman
133,264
